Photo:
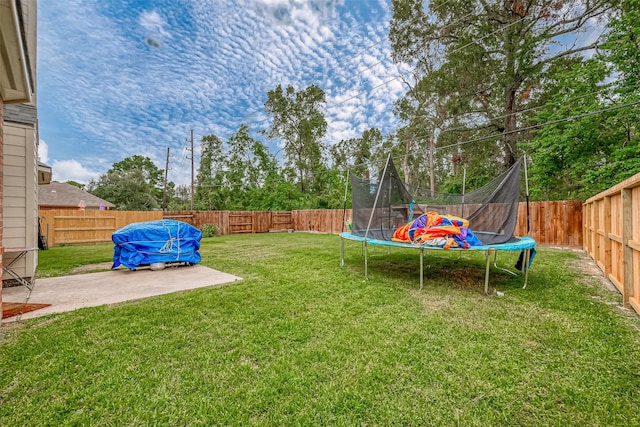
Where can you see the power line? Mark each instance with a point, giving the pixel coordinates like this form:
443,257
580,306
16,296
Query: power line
470,141
506,115
539,125
330,106
532,127
422,16
466,128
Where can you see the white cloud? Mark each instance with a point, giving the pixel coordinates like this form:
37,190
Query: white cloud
72,170
43,151
153,23
122,98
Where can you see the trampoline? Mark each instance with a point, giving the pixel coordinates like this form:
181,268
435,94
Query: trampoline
484,220
525,245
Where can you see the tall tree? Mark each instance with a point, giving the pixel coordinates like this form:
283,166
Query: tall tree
131,184
357,153
600,145
490,55
249,165
423,111
180,198
298,122
210,175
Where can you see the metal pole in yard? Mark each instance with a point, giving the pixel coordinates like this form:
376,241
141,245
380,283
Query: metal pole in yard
526,183
192,156
166,173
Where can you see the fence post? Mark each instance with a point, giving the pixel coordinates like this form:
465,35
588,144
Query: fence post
627,235
607,236
597,231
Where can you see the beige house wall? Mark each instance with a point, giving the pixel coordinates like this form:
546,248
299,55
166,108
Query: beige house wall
20,196
20,188
17,84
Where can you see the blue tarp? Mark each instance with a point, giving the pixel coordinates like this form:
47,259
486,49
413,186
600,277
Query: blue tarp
145,243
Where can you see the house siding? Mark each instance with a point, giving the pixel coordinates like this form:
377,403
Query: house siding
22,121
20,196
1,186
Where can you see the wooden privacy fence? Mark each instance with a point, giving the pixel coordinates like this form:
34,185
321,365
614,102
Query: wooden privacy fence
236,222
556,223
552,223
67,226
612,237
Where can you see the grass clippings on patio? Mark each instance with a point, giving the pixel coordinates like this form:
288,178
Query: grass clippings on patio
301,342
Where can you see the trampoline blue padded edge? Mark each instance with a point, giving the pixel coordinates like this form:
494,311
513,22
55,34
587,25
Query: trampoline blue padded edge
525,244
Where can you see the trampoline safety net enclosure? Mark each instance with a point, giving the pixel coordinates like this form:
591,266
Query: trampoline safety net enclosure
380,206
386,211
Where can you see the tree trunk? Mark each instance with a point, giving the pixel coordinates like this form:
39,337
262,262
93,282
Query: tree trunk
405,162
432,172
509,136
510,125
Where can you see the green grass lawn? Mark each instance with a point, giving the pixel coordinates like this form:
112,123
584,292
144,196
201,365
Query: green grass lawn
301,342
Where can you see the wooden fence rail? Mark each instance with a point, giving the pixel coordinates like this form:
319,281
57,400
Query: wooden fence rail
610,232
552,223
67,226
612,237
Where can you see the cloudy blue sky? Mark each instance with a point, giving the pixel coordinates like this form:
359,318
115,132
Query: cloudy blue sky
124,77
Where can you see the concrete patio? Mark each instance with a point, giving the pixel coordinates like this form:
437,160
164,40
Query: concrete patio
68,293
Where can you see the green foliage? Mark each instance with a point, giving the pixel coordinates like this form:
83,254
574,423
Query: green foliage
210,230
144,165
76,184
358,153
299,124
180,198
134,183
481,71
582,157
210,178
477,77
241,174
126,190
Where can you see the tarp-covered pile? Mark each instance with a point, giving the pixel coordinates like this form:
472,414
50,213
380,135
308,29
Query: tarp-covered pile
145,243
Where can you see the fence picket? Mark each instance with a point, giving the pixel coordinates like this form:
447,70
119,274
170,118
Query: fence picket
554,223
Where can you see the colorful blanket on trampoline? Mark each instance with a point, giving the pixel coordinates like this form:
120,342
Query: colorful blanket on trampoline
433,229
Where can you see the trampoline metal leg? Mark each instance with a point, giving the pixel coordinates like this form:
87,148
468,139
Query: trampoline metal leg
526,267
421,267
495,264
366,274
341,252
486,274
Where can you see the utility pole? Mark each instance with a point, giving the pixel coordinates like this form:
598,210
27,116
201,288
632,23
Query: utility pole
166,175
192,156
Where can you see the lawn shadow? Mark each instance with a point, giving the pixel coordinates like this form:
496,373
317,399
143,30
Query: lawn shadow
452,270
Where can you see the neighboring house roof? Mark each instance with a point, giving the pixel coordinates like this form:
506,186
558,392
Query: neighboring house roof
61,194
